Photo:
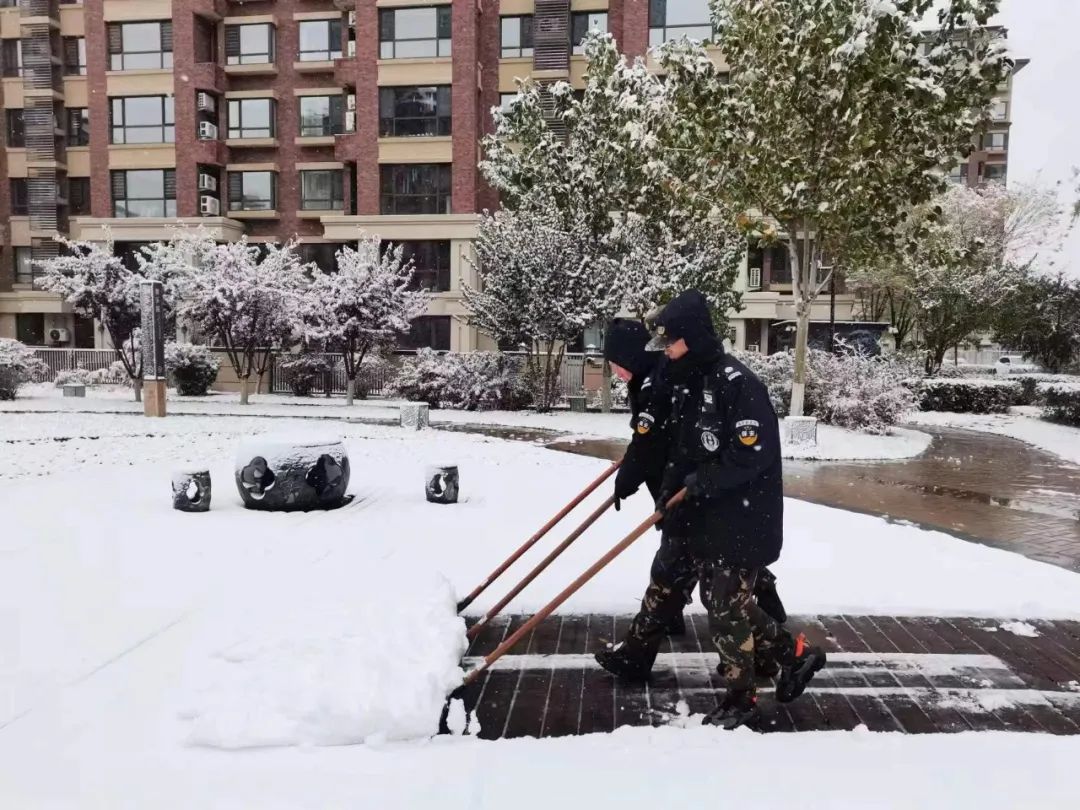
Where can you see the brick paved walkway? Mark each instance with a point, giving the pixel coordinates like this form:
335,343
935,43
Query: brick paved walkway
914,675
980,487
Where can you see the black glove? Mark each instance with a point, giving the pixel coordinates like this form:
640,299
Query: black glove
625,485
693,487
661,502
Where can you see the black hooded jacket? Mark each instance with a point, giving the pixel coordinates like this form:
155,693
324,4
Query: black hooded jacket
725,444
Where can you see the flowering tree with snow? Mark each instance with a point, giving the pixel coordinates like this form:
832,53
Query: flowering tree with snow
247,297
835,118
365,305
540,285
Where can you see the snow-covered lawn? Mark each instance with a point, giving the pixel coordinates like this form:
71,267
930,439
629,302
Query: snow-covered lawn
1023,423
833,443
136,641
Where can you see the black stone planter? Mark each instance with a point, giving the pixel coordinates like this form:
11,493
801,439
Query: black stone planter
191,491
283,475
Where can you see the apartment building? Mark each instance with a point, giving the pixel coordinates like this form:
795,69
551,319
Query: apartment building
313,119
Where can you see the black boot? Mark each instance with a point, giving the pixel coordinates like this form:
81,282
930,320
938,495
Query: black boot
738,708
677,626
800,667
622,663
766,668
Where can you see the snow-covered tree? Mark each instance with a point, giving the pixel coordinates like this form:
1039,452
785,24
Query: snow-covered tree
247,297
612,166
835,117
1042,319
539,285
97,284
18,365
362,307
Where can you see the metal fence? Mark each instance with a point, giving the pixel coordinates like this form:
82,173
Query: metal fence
69,359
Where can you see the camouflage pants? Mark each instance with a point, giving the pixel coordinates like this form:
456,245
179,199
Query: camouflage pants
738,627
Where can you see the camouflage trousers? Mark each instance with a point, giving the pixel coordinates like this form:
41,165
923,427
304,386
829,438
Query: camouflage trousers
738,627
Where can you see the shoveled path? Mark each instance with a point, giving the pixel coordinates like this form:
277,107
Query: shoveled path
914,675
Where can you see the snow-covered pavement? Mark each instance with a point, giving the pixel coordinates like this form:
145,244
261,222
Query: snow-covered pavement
1021,423
132,635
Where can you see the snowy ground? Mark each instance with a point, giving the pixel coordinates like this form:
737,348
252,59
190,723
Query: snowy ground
1023,423
136,641
833,443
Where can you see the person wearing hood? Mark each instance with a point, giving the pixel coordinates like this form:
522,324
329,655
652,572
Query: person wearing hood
724,448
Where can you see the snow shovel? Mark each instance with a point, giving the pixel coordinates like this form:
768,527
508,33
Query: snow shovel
548,560
498,572
554,604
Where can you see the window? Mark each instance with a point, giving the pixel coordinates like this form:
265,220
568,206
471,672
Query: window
421,188
83,332
995,141
74,56
1000,110
995,173
252,191
11,56
144,193
29,327
507,100
431,264
140,45
20,197
320,40
675,20
251,44
251,118
321,116
405,111
406,33
581,24
322,190
142,119
779,266
958,175
429,331
79,196
16,129
78,126
24,274
517,36
206,39
322,254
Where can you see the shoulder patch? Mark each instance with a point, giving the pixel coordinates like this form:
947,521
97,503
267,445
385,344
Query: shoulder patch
747,431
644,423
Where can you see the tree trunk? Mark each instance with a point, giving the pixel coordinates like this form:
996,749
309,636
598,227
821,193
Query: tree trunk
350,390
798,384
801,281
136,384
244,390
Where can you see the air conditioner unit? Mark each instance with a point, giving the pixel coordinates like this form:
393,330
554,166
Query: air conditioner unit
350,101
350,121
59,335
352,19
753,347
754,280
207,182
206,102
209,206
207,131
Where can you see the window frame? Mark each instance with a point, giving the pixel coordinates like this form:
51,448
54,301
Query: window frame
238,203
389,42
9,70
433,276
392,201
167,125
242,57
19,196
79,211
335,121
394,126
80,135
576,37
168,211
78,67
163,50
524,30
658,13
15,136
333,49
235,123
336,200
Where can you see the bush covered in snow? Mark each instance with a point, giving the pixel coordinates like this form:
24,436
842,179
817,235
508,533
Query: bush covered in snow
18,365
471,381
848,389
114,374
1030,385
73,376
967,396
194,368
1061,402
305,371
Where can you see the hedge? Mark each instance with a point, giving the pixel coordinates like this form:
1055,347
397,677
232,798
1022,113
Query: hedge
1061,402
967,396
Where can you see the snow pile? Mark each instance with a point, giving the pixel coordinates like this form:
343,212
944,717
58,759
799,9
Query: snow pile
285,450
331,658
836,443
1025,629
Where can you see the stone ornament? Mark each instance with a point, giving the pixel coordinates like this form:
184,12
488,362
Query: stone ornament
191,490
281,475
415,415
442,484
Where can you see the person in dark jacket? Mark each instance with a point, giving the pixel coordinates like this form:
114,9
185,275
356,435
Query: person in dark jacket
649,399
724,448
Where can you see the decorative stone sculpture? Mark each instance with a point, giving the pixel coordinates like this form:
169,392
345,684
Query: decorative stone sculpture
191,490
800,430
442,484
415,415
74,390
287,474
